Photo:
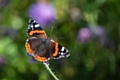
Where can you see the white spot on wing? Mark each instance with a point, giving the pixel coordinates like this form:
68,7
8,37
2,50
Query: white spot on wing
31,26
62,49
59,52
62,53
67,55
37,25
67,51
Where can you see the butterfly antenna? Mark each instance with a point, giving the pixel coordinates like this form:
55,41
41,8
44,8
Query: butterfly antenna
50,37
51,31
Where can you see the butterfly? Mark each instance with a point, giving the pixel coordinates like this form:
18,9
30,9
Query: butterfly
40,47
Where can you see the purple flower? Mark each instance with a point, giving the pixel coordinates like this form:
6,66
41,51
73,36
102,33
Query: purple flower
84,35
28,54
75,14
32,60
4,3
43,13
2,62
8,31
97,31
46,63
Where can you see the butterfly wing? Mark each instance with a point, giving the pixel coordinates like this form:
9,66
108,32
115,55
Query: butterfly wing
52,49
58,51
32,44
34,29
43,52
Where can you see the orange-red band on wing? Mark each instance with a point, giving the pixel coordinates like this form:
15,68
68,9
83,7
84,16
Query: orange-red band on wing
56,49
42,59
29,50
37,31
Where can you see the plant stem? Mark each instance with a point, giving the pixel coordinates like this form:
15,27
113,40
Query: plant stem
50,71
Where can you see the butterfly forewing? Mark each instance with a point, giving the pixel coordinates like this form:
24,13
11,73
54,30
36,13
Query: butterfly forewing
34,29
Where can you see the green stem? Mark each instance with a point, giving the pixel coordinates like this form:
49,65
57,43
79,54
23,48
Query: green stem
50,71
93,18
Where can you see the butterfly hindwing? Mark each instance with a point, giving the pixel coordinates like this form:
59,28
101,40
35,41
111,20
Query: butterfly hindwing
58,51
43,51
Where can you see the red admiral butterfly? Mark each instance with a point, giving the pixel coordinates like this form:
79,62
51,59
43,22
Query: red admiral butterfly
40,47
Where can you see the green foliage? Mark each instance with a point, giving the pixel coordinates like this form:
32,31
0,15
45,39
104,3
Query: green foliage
89,61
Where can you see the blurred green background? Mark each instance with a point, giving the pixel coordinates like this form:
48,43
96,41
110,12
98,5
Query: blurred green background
89,29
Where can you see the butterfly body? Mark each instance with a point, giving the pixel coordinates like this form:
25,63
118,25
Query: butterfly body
40,47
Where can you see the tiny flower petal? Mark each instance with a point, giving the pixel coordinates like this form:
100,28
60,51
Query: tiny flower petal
28,54
32,60
46,63
43,13
84,35
97,31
